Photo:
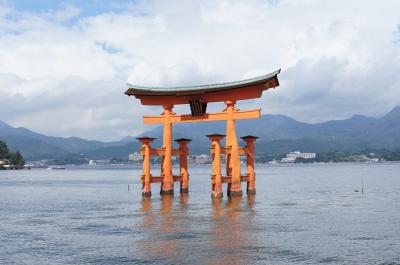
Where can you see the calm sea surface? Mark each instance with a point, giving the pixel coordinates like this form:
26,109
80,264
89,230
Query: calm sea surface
302,214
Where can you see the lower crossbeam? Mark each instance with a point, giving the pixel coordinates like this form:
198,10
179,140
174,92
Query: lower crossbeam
159,179
243,178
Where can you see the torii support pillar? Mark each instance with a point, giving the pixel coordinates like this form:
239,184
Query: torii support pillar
183,153
251,180
216,178
232,159
146,176
167,184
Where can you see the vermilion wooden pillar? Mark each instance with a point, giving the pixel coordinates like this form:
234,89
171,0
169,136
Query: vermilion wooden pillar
146,176
183,153
251,181
216,188
232,159
167,184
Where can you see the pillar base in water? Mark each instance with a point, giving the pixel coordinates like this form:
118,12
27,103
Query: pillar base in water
146,193
217,195
167,192
251,191
185,190
234,190
235,193
167,188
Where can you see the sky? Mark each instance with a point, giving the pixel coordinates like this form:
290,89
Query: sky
64,65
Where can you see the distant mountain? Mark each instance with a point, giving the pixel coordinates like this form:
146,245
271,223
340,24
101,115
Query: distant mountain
277,134
38,146
118,151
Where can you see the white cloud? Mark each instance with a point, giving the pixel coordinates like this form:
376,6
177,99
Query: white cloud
62,73
66,13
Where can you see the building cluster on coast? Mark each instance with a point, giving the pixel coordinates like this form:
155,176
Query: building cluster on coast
5,163
8,164
299,157
192,159
202,159
292,157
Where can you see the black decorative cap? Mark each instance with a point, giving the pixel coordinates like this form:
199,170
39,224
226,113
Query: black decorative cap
144,138
182,140
249,137
215,135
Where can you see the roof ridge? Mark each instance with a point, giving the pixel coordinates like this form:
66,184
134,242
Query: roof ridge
233,83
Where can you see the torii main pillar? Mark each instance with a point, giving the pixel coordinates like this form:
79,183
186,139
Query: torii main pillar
232,159
167,184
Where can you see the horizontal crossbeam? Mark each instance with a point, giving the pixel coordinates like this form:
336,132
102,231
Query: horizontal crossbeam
221,116
243,178
227,151
158,179
161,152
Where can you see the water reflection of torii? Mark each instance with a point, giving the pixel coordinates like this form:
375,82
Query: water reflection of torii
198,97
164,223
171,234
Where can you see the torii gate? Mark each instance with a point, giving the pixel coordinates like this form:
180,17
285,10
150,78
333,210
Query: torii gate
198,97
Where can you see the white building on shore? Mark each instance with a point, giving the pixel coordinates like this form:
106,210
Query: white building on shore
292,156
4,163
136,157
202,159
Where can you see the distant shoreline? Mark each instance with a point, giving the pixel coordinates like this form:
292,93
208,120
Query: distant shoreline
176,166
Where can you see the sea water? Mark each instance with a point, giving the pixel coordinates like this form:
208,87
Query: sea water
301,214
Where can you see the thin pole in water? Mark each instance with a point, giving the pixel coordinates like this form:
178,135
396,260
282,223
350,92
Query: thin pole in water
362,185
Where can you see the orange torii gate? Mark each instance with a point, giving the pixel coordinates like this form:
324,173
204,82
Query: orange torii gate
198,97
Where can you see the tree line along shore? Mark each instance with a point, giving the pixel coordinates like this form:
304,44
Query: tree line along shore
10,160
15,160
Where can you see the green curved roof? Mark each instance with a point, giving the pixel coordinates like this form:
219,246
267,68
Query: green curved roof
190,90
